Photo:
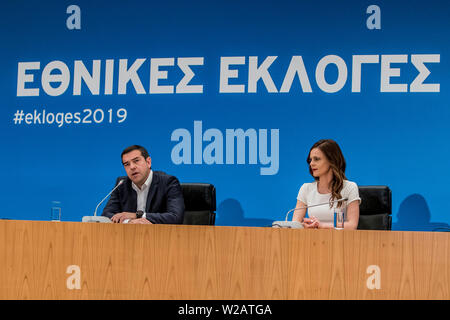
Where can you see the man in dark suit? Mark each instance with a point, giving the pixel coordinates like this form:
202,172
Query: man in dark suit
145,196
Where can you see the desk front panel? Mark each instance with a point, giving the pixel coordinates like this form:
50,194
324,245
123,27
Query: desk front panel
71,260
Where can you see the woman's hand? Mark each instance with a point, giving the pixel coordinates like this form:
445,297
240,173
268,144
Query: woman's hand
311,223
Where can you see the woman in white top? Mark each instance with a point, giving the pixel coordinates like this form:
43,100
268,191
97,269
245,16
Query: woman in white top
327,166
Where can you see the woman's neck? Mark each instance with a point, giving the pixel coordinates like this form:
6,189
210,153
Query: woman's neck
324,182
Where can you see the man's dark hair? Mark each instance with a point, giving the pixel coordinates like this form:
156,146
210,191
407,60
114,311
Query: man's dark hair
135,147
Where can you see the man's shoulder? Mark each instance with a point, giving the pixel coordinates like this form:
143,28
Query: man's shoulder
162,176
124,178
125,181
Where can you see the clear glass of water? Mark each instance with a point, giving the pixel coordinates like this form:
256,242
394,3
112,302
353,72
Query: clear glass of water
339,218
55,211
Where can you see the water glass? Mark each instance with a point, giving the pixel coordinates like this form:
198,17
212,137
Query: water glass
55,211
339,217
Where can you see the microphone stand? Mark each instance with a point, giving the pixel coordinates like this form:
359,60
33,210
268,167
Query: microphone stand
96,218
298,224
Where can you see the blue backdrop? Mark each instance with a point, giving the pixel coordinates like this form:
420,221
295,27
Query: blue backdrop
82,80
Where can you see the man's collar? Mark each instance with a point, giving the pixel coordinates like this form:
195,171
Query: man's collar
146,184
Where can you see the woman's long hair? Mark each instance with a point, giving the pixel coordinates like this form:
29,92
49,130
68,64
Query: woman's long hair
337,163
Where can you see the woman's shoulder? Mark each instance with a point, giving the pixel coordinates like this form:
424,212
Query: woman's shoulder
306,190
308,187
350,185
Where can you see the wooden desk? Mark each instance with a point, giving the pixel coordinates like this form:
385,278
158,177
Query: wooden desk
205,262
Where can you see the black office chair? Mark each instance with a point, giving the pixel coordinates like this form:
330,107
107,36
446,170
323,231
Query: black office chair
376,208
200,203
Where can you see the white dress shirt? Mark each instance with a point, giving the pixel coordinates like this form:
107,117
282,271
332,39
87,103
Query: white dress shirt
142,195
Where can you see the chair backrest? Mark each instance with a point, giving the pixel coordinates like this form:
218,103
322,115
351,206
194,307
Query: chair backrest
199,203
376,208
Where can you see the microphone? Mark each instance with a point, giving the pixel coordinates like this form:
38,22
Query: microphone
297,224
96,218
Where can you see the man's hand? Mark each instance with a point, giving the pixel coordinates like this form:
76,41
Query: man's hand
120,217
140,221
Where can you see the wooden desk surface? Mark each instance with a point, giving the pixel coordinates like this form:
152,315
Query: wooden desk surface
206,262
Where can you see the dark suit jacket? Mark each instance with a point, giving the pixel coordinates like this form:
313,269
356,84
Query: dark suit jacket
165,203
